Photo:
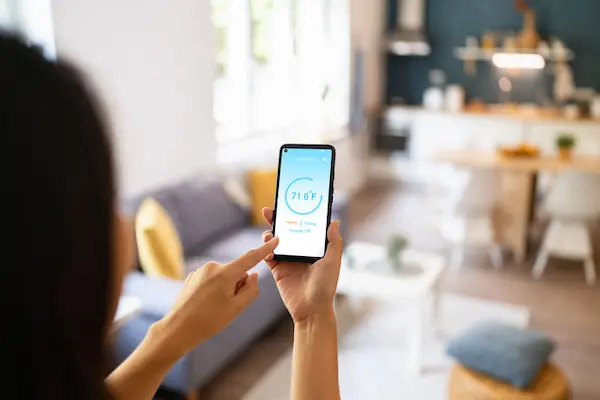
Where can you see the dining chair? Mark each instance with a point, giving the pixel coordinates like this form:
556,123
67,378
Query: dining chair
464,204
572,204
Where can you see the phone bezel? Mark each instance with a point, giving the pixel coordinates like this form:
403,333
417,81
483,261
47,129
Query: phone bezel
302,259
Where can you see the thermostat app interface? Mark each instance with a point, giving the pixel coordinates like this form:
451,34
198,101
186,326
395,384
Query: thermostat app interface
302,201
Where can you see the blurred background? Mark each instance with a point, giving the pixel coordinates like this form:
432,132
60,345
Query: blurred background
467,178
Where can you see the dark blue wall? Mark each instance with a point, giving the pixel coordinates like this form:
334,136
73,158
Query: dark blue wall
449,22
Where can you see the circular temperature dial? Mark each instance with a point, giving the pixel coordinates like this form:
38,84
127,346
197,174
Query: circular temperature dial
301,196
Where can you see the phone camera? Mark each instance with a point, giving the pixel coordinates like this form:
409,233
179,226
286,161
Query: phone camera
285,150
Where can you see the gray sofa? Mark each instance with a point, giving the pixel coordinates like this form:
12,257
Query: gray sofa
211,227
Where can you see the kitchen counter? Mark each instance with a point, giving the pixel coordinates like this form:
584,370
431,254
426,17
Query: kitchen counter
431,132
518,113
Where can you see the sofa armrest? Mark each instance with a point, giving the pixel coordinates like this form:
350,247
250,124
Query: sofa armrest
157,295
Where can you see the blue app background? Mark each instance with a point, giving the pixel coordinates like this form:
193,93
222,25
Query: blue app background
301,220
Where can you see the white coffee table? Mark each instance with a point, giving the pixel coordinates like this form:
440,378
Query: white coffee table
421,290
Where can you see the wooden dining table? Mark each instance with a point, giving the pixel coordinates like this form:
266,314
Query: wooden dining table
518,180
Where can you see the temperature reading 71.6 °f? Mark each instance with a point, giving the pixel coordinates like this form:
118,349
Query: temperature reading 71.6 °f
310,195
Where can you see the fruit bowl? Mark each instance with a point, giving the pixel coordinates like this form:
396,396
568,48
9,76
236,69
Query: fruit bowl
523,150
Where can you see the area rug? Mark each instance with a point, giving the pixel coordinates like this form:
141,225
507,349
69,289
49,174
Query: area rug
373,354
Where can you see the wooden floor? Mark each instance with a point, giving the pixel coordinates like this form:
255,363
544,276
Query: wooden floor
562,305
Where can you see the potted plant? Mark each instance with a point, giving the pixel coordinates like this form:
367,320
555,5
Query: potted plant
565,143
396,246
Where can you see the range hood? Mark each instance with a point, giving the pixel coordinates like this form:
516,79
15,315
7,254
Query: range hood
410,38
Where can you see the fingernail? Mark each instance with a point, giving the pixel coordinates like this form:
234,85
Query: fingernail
269,257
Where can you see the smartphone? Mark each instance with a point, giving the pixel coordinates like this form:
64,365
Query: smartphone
303,199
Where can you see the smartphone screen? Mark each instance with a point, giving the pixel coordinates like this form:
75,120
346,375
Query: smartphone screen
303,201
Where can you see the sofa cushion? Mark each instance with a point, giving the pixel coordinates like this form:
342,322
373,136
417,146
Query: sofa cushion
192,264
129,207
159,247
157,295
236,244
503,352
261,185
164,196
205,214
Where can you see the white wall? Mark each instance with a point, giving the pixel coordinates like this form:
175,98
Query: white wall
153,63
368,27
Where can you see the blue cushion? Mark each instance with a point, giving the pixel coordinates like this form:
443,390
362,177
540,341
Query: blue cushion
503,352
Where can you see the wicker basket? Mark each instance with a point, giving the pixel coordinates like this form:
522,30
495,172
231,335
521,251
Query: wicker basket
551,384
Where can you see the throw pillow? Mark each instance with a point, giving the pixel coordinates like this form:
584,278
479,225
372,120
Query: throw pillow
261,184
159,247
503,352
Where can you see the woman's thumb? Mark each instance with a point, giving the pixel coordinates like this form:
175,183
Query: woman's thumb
333,233
335,239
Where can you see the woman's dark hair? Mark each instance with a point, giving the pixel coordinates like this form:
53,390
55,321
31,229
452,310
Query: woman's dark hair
58,198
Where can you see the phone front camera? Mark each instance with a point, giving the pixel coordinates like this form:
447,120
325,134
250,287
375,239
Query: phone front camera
285,150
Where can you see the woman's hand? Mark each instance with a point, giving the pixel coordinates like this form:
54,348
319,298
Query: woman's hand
212,296
308,289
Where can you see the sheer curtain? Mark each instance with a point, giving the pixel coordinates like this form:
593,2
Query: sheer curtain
282,64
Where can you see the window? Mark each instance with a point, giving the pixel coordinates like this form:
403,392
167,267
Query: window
280,63
8,13
32,19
